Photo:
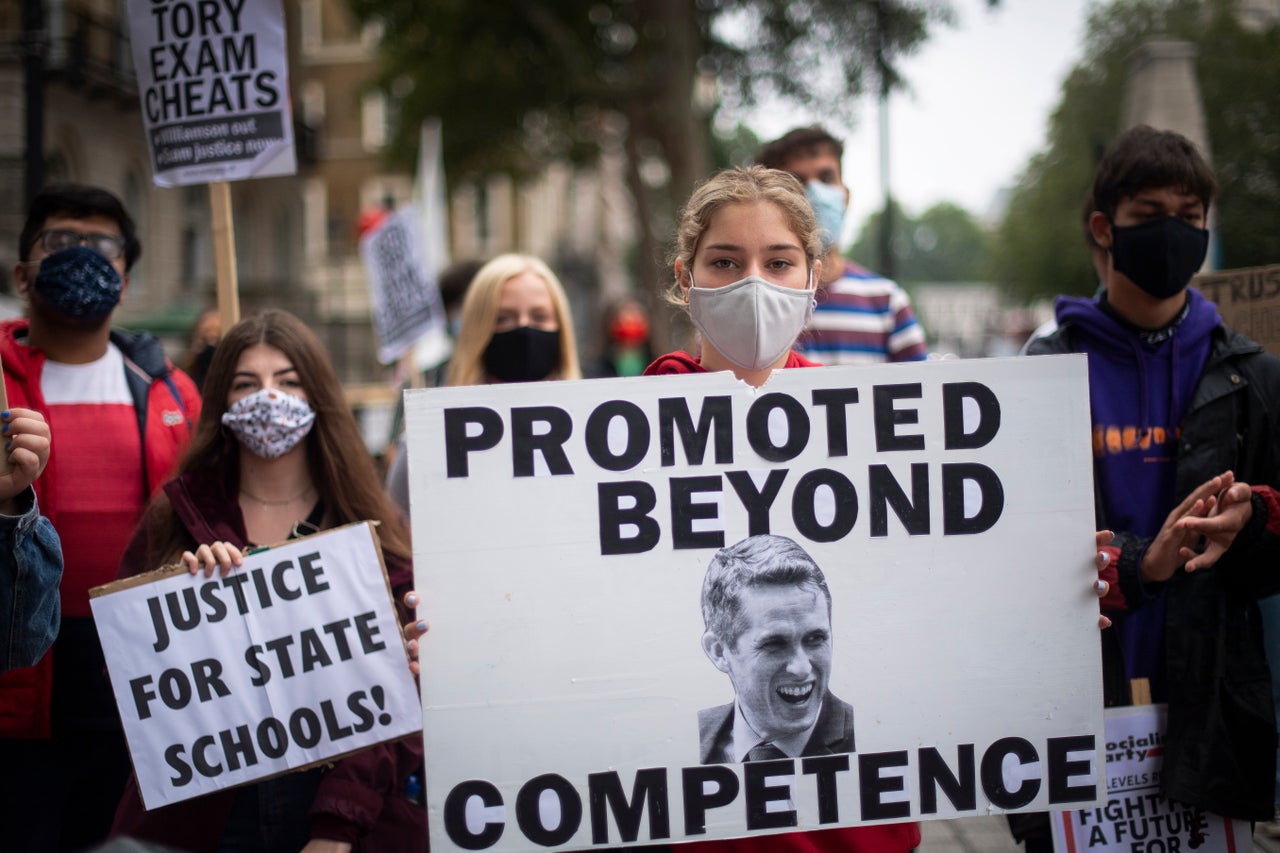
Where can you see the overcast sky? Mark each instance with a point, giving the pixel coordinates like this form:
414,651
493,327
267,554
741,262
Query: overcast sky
980,99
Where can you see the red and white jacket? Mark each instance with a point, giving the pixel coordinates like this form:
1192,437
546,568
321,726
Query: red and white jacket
168,406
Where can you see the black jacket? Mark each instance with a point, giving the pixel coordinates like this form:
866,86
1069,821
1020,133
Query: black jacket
1220,749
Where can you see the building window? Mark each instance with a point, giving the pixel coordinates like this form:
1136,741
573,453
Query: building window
311,25
373,124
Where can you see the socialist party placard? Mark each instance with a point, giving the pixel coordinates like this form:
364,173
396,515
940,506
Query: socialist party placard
1135,817
294,658
214,89
677,607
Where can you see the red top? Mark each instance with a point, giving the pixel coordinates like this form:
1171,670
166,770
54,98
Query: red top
882,838
681,362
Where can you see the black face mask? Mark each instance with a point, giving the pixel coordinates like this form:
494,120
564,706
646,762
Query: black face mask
523,354
1159,256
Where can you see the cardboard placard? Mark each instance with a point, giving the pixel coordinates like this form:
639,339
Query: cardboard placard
1248,300
292,659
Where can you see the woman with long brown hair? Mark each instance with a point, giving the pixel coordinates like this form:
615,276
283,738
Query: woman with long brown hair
277,454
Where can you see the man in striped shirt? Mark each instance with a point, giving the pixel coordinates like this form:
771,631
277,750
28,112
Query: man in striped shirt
861,317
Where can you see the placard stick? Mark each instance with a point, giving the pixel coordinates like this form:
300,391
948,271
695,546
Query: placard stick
224,254
5,467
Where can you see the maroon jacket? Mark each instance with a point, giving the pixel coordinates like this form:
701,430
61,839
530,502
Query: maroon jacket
360,799
882,838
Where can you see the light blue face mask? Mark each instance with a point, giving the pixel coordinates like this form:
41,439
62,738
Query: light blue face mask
828,204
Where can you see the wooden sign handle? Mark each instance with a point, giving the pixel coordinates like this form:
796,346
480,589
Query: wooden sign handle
5,467
224,254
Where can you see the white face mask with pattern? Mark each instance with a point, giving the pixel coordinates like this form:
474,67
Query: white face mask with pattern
751,322
269,423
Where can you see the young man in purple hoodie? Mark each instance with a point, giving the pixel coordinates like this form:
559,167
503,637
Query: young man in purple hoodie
1186,440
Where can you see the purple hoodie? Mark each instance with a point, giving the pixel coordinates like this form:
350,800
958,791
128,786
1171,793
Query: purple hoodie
1138,393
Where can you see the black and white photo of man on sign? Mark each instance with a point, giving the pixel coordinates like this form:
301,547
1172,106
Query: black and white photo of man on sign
767,611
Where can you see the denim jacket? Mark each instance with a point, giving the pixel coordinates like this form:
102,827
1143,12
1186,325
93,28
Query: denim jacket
30,570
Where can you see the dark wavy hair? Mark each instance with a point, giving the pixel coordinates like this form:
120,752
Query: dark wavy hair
341,468
801,140
1143,158
78,201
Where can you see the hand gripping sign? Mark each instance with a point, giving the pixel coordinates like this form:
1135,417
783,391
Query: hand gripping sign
292,659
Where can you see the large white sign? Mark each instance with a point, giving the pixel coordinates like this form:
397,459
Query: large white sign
573,695
296,657
1135,818
213,81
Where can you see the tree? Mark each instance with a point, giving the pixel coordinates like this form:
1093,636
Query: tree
517,85
1040,247
1240,78
945,243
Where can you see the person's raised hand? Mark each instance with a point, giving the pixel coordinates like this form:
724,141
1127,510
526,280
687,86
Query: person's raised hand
1164,555
1218,529
25,435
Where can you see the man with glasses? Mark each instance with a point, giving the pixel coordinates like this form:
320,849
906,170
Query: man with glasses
119,416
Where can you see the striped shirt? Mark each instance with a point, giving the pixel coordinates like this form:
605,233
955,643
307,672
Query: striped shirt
862,318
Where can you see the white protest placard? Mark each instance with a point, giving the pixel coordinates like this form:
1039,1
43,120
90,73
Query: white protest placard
1135,818
562,533
402,285
294,658
213,79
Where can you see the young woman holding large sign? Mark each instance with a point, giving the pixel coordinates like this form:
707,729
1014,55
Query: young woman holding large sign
748,255
277,454
748,252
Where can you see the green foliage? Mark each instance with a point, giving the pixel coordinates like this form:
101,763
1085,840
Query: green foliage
737,147
511,83
1040,248
817,53
1240,79
519,84
945,243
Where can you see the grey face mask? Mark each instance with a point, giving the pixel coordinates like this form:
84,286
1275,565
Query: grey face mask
751,322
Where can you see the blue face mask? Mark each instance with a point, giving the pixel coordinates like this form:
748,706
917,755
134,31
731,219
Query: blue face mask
828,205
78,282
